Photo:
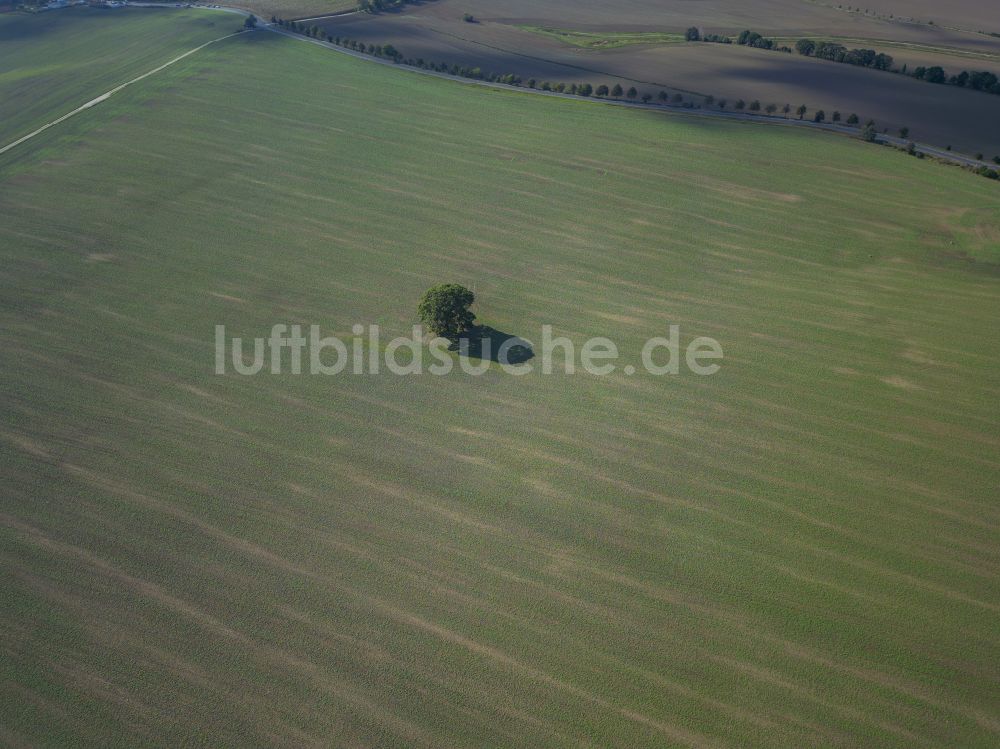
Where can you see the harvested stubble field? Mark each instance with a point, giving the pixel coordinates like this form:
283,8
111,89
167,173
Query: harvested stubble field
799,550
506,40
974,15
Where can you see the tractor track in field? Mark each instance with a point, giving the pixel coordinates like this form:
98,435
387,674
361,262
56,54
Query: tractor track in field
108,94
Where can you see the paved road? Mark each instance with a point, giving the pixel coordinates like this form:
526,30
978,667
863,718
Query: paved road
923,148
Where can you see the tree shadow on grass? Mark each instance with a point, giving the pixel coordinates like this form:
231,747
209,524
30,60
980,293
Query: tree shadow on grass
483,342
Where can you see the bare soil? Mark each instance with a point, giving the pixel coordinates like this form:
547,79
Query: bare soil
498,42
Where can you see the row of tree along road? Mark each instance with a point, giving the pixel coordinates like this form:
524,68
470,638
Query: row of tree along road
867,132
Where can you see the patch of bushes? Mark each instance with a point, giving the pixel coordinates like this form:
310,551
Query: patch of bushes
864,58
749,38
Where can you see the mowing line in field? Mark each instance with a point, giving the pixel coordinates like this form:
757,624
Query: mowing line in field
109,94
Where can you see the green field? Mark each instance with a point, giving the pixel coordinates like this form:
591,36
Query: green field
801,550
607,39
54,62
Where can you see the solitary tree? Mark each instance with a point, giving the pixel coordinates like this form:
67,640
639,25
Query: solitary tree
904,132
250,22
693,34
602,90
445,310
869,133
853,120
786,109
820,116
632,92
801,111
836,116
771,108
617,91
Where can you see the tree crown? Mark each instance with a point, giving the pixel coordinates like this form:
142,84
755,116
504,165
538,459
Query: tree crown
445,309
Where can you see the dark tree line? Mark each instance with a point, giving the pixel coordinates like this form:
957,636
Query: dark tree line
746,38
749,38
981,80
867,58
864,58
380,6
